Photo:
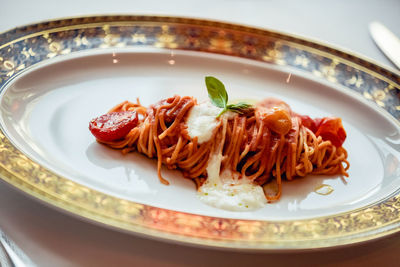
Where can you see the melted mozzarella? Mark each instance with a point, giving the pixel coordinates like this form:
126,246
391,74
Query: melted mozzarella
221,190
202,121
226,192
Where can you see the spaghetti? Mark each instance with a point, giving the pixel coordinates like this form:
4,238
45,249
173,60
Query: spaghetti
264,143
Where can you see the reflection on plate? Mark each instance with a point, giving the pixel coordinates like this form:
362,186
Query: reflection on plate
56,76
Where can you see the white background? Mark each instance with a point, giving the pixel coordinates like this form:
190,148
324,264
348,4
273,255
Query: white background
51,238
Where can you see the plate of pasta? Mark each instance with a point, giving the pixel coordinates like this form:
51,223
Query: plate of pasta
201,132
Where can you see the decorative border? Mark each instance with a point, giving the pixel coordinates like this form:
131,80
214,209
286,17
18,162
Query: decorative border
27,46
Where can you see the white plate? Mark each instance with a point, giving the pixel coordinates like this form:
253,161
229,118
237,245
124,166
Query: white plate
55,77
51,126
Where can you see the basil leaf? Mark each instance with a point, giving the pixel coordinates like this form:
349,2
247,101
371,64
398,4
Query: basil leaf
216,92
241,108
238,106
219,97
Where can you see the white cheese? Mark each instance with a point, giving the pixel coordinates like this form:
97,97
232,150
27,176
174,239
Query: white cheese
221,190
202,121
228,192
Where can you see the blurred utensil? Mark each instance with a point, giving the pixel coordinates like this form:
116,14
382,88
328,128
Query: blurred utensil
11,255
386,41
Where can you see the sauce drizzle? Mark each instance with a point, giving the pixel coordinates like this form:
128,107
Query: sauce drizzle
323,189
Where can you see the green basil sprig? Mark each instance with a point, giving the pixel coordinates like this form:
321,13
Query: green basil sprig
219,97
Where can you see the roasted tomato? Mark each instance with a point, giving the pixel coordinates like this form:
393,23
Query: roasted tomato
113,126
331,128
309,123
276,118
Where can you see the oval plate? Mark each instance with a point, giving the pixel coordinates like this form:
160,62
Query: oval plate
37,48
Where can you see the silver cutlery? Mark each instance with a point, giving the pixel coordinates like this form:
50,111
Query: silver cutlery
386,41
11,255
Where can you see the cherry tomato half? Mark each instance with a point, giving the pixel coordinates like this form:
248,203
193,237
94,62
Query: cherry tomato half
113,126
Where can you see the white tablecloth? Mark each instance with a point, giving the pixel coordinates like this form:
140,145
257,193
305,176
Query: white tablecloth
52,238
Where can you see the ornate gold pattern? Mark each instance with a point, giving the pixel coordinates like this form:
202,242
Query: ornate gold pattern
27,46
